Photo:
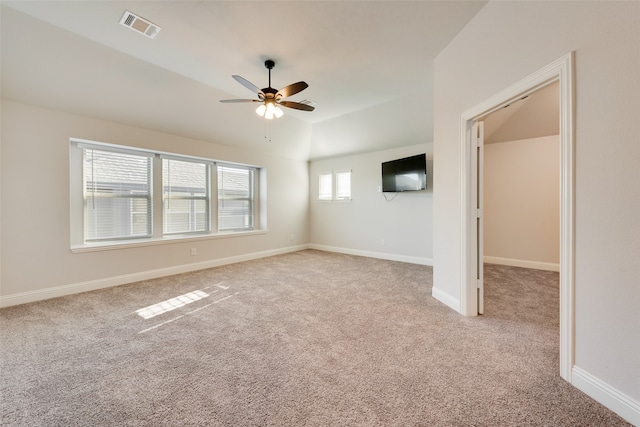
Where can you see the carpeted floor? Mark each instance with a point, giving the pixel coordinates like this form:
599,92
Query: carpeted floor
303,339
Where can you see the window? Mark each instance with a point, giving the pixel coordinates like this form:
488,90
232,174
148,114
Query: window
325,186
341,190
120,193
117,195
343,185
185,186
236,194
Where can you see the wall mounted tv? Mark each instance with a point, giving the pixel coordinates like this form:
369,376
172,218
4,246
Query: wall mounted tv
407,174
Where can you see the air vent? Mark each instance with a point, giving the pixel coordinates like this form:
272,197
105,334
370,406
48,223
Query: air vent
309,102
139,24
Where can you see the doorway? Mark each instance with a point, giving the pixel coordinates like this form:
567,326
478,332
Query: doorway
560,71
518,167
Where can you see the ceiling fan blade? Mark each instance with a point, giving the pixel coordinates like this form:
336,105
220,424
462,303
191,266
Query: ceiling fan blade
296,105
292,89
246,83
229,101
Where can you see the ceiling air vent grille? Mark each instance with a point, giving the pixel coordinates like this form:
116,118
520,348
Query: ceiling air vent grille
139,24
307,101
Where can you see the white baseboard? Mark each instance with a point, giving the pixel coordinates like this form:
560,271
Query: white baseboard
436,293
549,266
446,299
371,254
618,402
92,285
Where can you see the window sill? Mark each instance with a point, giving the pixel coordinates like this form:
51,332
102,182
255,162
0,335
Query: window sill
334,200
108,246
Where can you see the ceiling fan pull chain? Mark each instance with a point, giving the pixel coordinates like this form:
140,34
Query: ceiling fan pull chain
267,129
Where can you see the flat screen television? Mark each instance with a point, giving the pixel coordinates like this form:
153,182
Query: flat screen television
407,174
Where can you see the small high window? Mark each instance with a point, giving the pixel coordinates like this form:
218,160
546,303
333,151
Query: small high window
334,185
343,185
325,186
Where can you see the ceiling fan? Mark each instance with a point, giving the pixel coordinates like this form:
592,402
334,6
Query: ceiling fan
270,98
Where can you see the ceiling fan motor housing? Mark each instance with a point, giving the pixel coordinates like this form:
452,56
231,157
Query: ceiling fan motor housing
269,92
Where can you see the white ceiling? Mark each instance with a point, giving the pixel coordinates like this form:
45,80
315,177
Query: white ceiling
356,56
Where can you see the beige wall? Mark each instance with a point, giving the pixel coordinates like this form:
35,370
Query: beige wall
506,42
522,203
36,256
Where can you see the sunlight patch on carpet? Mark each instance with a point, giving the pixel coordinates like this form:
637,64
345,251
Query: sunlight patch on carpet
171,304
186,314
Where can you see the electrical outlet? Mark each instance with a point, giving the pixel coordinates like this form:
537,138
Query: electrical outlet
382,242
194,251
292,237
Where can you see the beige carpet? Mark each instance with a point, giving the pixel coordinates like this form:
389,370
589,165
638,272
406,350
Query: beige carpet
303,339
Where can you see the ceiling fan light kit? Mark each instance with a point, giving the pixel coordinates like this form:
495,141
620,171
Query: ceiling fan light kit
268,110
271,98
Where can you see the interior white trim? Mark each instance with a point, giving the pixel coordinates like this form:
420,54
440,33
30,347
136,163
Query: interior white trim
445,298
612,398
92,285
182,238
371,254
536,265
560,70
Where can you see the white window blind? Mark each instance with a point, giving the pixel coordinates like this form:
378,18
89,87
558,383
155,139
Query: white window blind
185,187
343,185
325,186
117,194
120,192
236,192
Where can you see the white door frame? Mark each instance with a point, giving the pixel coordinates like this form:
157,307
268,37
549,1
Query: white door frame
560,70
477,204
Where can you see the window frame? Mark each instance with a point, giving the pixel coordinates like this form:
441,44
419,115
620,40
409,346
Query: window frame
251,200
91,196
328,196
78,243
336,195
333,185
207,197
